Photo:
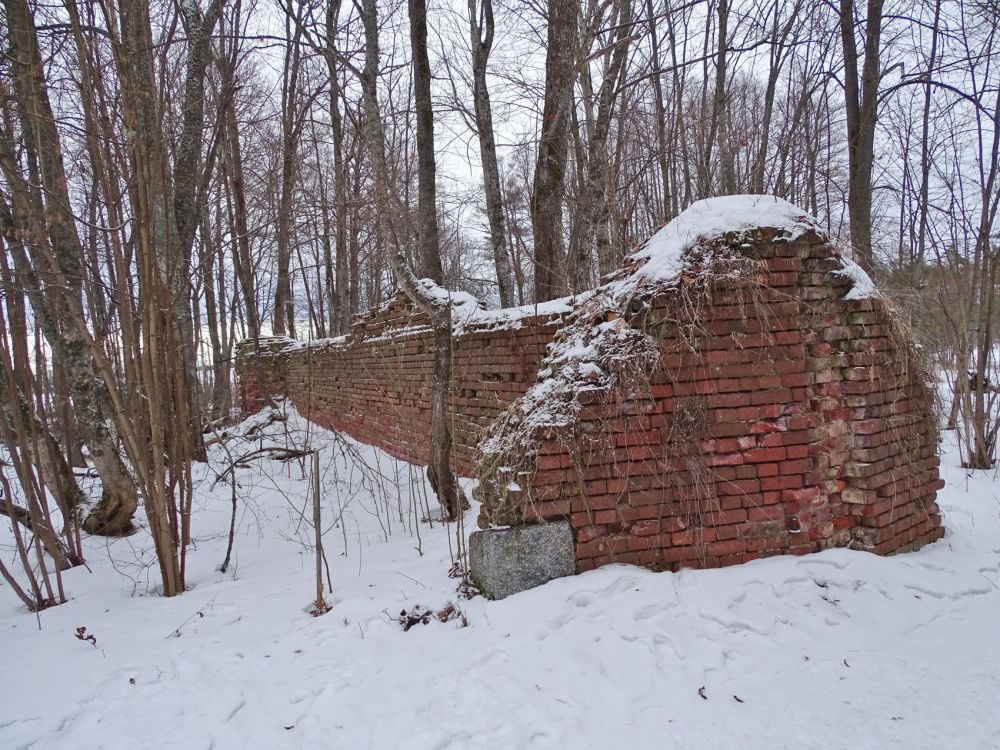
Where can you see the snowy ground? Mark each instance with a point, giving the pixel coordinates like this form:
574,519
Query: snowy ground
836,650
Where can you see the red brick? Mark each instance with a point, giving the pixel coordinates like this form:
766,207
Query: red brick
764,455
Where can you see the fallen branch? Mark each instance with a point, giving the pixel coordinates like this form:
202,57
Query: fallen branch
278,454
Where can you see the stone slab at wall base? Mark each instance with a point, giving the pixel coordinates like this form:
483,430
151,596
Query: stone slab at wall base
507,561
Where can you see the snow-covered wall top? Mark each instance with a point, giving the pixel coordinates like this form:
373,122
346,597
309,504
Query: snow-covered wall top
670,250
662,258
663,255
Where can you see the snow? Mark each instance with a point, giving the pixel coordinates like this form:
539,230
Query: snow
663,255
464,307
711,218
840,649
512,317
658,260
467,314
585,355
864,287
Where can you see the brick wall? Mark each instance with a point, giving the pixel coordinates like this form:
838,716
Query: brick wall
375,385
781,417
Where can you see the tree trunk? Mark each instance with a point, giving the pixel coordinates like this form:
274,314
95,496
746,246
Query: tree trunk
233,163
778,53
550,169
594,209
49,232
660,111
55,471
427,223
188,195
925,158
861,94
719,128
284,302
481,28
164,461
439,471
342,301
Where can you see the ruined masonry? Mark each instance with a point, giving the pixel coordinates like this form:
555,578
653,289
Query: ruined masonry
737,390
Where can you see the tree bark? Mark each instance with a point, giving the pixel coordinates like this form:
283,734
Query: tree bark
861,94
164,462
342,309
427,223
778,54
660,110
550,169
188,197
718,128
232,157
439,471
284,302
55,471
593,207
46,226
481,30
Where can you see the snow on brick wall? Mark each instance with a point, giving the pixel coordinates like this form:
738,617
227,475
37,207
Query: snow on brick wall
376,384
731,394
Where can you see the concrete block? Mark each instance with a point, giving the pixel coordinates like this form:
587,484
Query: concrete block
506,561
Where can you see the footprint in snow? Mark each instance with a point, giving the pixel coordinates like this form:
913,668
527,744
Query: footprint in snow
838,564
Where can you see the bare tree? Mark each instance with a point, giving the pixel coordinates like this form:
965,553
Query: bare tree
861,89
593,205
42,235
235,183
291,127
437,308
481,31
781,37
550,170
189,189
427,219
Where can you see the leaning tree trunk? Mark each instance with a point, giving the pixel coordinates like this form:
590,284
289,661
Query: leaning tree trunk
31,449
113,513
45,453
439,471
19,413
46,229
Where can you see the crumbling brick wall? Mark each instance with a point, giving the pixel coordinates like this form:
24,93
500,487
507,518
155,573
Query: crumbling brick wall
375,385
783,416
779,412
